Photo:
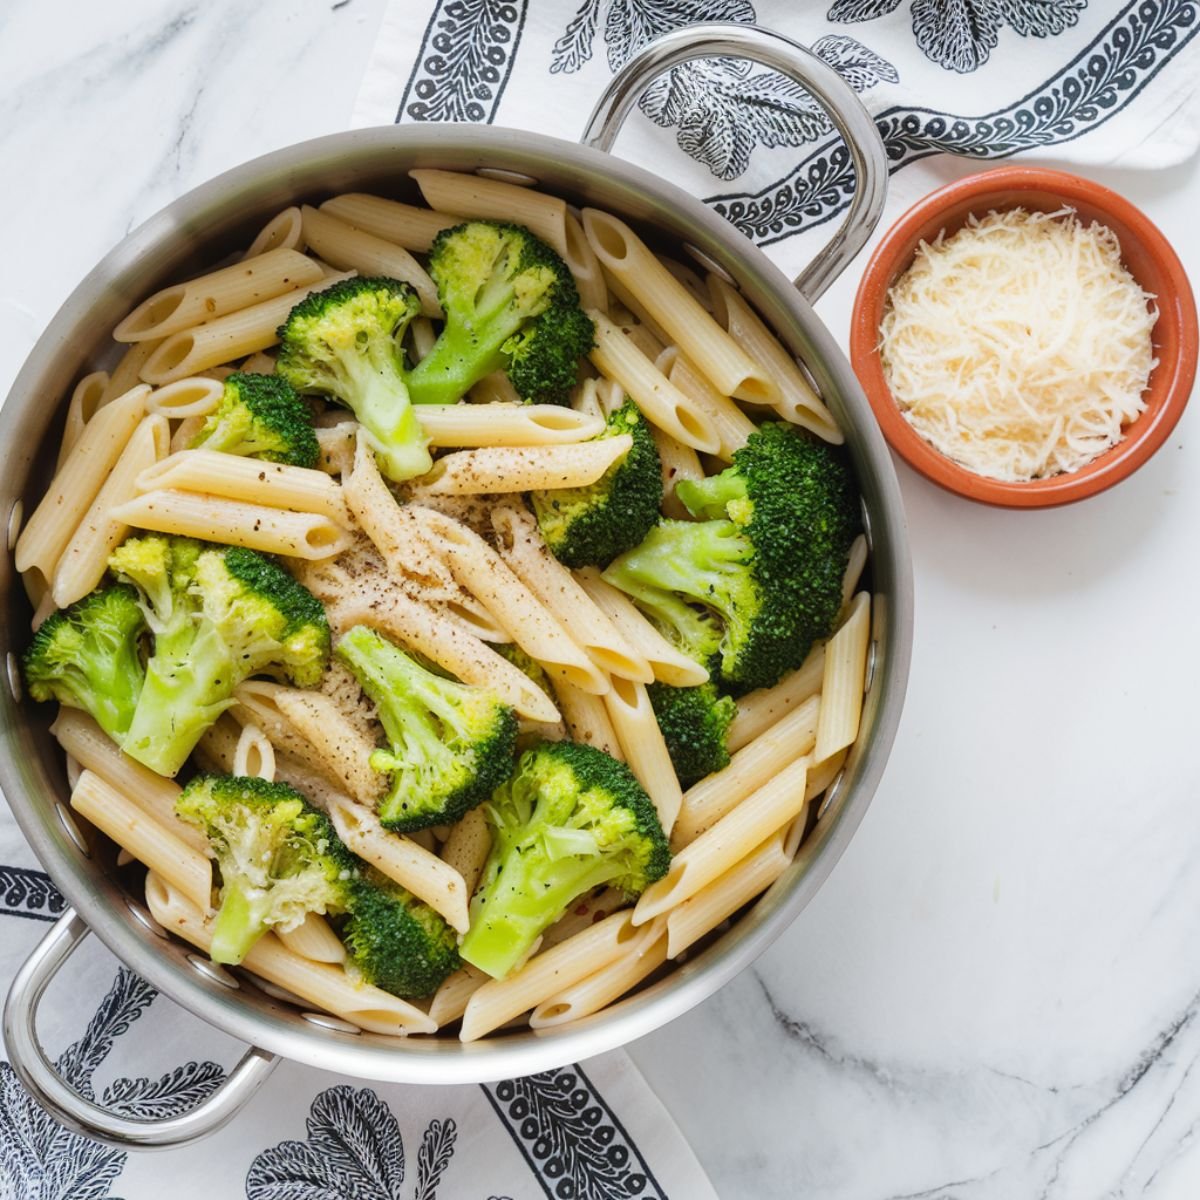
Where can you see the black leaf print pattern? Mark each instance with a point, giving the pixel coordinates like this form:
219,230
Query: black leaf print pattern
354,1151
721,111
39,1159
29,894
960,35
465,60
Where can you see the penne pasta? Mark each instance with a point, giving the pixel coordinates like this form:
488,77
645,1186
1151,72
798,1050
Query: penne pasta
343,750
583,914
186,432
585,266
855,564
491,389
233,477
734,836
282,232
691,327
502,424
313,939
732,425
643,747
467,847
234,523
501,469
450,1000
195,397
402,224
127,373
217,294
587,719
84,561
254,755
258,364
85,400
661,402
844,681
759,710
350,249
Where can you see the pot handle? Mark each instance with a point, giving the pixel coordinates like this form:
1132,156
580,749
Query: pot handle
827,87
67,1106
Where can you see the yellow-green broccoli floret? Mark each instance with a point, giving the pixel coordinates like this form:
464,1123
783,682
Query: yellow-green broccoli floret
260,416
695,725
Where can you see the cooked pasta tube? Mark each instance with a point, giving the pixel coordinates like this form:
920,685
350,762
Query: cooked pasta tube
336,443
640,958
231,289
505,424
495,388
645,751
85,399
128,372
689,278
233,477
89,746
254,755
217,747
676,462
195,397
583,914
755,764
794,398
401,859
733,426
350,249
631,310
186,433
77,483
711,905
485,575
420,330
234,523
223,339
492,470
450,1000
548,974
661,402
85,558
667,664
844,680
467,847
734,836
587,719
855,565
149,841
760,709
257,702
405,225
643,339
325,986
523,548
258,364
718,356
282,232
344,749
823,774
313,939
585,266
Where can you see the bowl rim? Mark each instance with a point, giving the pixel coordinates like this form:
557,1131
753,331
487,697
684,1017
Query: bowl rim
1145,435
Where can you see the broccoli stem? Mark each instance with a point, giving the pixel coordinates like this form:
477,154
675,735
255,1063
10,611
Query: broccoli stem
238,924
460,358
384,411
708,497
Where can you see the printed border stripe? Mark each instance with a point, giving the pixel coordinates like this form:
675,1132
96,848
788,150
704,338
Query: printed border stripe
29,894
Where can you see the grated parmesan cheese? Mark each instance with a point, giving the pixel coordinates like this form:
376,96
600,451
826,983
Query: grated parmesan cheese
1019,347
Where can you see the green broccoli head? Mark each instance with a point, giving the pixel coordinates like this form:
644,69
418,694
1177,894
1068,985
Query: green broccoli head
511,304
766,564
89,656
449,744
344,342
279,858
219,614
695,725
260,416
589,526
395,941
570,819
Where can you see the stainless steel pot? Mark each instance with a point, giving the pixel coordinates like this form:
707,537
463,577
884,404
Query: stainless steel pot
221,216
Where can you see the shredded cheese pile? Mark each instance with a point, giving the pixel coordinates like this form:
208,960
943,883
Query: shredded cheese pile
1020,346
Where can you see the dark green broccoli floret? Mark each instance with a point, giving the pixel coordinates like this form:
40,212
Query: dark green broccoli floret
449,744
695,724
748,589
88,656
571,818
260,416
395,941
511,304
279,858
345,342
589,526
219,614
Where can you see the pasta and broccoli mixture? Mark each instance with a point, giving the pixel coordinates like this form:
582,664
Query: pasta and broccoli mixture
454,610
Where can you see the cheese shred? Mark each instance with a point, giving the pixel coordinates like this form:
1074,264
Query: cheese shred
1020,347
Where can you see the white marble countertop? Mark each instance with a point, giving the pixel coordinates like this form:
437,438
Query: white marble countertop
997,993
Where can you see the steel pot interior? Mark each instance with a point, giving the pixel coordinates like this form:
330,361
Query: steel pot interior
193,234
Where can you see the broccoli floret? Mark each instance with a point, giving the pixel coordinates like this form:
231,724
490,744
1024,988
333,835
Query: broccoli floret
449,744
279,858
260,416
589,526
695,724
219,614
511,304
763,571
345,342
88,656
395,941
571,818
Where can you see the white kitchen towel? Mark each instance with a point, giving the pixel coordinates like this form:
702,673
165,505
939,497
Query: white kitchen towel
1099,82
595,1132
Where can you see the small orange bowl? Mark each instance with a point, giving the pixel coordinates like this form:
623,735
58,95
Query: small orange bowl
1146,253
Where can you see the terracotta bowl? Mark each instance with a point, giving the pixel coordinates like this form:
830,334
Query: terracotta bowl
1147,255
